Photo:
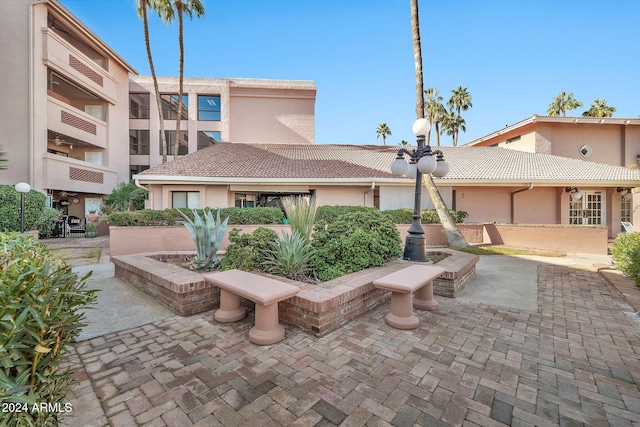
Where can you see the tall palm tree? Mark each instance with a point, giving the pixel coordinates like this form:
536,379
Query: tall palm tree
599,108
142,7
170,10
562,103
460,101
432,103
455,237
452,124
383,131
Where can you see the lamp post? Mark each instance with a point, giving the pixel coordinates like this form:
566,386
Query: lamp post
22,188
422,160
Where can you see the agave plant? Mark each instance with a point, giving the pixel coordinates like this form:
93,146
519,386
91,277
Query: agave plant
289,256
207,234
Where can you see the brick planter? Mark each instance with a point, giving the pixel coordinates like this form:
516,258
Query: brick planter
318,309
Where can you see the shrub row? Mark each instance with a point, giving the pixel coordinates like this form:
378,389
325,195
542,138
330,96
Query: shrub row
428,216
237,216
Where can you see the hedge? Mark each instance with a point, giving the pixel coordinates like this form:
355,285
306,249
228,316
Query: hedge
237,216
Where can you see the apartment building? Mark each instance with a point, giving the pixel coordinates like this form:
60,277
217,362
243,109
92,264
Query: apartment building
252,111
65,98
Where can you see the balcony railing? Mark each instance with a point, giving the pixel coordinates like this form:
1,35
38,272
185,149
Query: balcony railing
64,119
75,175
63,57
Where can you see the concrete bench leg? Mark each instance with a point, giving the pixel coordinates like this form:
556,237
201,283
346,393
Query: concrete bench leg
423,298
267,329
401,315
230,309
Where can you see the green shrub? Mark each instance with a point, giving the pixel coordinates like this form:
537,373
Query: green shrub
41,303
237,216
47,222
626,255
427,216
289,256
329,214
353,242
34,204
246,251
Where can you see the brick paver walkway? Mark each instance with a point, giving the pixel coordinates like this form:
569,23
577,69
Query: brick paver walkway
575,362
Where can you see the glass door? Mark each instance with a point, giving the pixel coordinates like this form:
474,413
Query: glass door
589,210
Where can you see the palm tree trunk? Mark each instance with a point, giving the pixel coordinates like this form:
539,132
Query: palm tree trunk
455,237
145,24
176,145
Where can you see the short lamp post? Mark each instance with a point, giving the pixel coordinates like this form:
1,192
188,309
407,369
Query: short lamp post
22,188
422,160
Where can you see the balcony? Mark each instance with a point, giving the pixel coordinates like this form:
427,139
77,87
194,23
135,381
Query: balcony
66,120
64,173
63,57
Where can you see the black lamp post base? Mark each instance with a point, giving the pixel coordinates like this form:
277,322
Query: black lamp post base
415,248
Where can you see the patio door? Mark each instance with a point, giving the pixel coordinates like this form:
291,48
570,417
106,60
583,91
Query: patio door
589,210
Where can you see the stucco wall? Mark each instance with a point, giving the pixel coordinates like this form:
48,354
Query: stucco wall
349,196
604,140
403,197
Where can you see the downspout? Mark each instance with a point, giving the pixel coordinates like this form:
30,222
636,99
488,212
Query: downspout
137,184
513,209
373,186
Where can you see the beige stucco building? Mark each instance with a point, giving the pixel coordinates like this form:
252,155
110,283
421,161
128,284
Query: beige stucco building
65,98
218,110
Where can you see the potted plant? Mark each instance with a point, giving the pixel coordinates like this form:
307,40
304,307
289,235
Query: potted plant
91,229
93,216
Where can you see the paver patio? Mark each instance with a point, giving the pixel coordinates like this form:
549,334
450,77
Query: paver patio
574,362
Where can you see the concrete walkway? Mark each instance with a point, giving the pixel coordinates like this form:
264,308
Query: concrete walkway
572,361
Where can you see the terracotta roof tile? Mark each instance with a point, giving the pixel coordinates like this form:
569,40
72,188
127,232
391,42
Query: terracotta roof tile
318,161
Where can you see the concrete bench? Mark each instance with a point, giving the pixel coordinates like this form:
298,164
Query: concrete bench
402,284
265,292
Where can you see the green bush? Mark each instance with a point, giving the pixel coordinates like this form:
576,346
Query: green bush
47,222
246,251
34,204
427,216
353,242
41,303
237,216
626,255
329,214
126,196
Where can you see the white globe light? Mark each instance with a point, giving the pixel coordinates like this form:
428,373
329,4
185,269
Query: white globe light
427,164
421,127
628,196
412,171
576,195
399,167
441,170
23,187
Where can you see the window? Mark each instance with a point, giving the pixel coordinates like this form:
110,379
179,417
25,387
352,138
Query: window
93,157
245,200
139,105
185,199
136,169
170,106
209,108
207,139
170,135
514,139
625,209
139,142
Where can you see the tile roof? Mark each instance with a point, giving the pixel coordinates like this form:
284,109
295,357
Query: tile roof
471,165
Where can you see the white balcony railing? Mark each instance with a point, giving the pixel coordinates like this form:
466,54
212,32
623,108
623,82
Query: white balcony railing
65,119
63,57
75,175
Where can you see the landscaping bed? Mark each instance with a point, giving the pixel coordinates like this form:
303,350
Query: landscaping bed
318,308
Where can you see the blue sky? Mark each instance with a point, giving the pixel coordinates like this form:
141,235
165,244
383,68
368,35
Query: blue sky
512,56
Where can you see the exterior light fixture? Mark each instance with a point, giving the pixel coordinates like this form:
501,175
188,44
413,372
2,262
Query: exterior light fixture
628,195
575,193
22,188
422,160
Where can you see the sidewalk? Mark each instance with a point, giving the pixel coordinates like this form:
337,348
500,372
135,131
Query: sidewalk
572,361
